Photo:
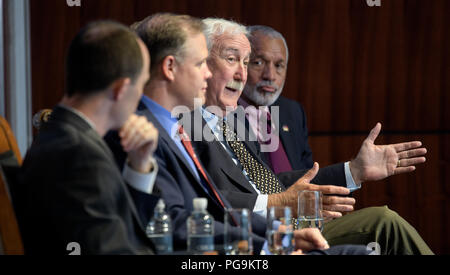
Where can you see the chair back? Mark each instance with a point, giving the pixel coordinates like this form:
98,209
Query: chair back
11,241
9,227
7,140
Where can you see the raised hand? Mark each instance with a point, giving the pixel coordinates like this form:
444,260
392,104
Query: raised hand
377,162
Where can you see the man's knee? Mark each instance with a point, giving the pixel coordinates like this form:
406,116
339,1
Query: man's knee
382,213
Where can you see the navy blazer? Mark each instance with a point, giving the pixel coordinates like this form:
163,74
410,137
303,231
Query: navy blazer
179,186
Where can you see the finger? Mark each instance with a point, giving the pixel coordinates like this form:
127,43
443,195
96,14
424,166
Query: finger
374,133
145,135
135,142
297,252
338,207
309,239
331,214
400,147
412,153
411,161
330,189
135,134
338,200
128,137
311,173
402,170
129,128
130,121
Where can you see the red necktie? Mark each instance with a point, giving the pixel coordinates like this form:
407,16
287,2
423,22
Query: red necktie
188,145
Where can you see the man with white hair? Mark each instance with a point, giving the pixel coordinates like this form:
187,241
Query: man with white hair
238,173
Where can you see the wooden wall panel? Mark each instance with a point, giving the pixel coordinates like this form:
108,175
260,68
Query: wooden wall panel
350,66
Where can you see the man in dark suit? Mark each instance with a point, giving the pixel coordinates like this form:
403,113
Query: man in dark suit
246,180
266,78
74,195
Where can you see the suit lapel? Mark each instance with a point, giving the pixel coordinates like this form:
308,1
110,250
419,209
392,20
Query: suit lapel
214,149
164,136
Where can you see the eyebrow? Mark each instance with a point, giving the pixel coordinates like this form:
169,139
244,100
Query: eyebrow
234,50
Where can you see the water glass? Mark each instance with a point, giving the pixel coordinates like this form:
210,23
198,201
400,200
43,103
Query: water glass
280,230
238,232
310,209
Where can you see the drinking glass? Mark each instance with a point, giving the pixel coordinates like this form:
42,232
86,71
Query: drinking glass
238,232
280,230
310,209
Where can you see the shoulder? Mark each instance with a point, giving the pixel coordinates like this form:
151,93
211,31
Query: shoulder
284,102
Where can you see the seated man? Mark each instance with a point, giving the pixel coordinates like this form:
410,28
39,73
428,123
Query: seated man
73,191
266,78
179,75
238,174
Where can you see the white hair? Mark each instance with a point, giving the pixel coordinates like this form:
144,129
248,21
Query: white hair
218,26
270,32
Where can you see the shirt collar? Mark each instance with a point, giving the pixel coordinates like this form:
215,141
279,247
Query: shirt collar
164,117
212,120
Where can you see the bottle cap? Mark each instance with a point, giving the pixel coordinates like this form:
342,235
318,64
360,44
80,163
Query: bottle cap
200,204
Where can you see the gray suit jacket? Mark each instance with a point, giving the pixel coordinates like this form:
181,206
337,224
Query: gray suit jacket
73,192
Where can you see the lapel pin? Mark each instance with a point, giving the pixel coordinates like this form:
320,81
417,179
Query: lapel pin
285,128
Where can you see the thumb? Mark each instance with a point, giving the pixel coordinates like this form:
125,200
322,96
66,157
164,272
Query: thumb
374,133
311,173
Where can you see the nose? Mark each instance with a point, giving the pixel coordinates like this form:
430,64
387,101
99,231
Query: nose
269,72
208,73
241,72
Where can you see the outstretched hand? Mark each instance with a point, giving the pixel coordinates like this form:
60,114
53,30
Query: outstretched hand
377,162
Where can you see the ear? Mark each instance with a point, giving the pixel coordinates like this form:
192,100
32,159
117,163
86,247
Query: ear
169,67
119,88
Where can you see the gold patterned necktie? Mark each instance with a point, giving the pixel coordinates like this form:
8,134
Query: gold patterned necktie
264,179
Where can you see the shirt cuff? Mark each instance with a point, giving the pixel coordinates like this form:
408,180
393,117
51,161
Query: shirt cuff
349,178
139,181
261,205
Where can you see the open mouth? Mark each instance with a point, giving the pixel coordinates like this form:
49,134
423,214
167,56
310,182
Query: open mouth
231,89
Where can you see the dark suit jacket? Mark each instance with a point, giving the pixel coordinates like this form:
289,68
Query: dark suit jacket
230,179
295,135
179,186
74,192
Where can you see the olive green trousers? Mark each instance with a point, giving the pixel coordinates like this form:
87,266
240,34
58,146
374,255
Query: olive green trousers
378,228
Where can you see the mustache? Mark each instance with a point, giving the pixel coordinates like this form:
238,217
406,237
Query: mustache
236,85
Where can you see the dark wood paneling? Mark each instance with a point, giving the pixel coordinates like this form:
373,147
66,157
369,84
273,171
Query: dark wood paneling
350,66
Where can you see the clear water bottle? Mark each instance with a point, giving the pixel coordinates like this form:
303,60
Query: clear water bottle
200,228
159,230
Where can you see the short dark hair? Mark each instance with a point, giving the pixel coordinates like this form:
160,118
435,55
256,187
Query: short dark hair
101,53
166,34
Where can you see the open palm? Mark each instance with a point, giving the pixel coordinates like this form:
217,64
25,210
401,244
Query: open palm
377,162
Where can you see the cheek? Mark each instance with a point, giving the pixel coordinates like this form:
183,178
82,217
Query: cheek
252,78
